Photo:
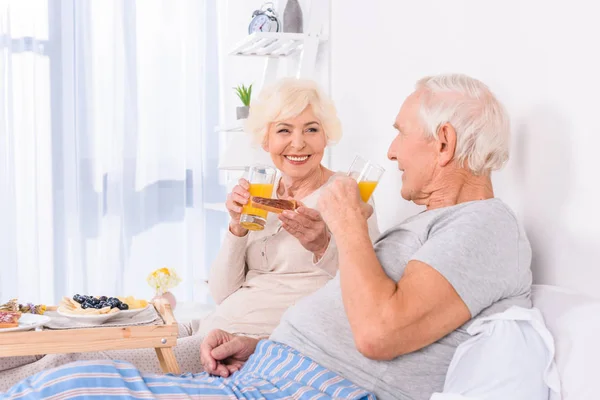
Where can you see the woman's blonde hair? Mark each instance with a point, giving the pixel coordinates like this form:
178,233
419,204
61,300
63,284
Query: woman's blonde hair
287,98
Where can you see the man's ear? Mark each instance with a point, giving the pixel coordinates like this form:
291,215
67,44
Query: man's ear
446,144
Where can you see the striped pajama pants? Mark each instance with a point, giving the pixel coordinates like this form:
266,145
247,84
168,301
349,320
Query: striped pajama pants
274,371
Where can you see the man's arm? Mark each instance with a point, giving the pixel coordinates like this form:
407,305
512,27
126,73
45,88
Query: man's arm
390,318
387,318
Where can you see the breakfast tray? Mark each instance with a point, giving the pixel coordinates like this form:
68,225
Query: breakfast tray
162,337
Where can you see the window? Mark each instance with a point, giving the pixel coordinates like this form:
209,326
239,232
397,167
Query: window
110,153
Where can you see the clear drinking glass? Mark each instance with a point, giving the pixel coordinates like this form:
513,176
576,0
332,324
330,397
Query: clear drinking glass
261,180
367,175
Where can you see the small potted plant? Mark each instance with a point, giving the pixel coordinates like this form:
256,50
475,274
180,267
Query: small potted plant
244,93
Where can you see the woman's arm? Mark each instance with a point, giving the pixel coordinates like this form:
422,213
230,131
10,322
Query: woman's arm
228,271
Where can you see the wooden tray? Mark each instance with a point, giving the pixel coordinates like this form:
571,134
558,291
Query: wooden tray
160,337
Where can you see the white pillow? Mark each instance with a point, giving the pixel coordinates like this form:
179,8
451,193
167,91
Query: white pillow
509,356
574,321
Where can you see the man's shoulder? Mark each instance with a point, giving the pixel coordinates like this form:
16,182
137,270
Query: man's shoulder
491,213
476,214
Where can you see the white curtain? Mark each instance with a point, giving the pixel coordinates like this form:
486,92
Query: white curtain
101,146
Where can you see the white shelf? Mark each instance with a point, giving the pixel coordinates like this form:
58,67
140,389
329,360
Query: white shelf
215,206
235,127
270,44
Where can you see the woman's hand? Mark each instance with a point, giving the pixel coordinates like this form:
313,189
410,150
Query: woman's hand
308,227
238,198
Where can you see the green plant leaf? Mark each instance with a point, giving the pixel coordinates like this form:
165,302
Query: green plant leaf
244,93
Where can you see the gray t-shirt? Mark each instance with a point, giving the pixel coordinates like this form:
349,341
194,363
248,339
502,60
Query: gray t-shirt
479,247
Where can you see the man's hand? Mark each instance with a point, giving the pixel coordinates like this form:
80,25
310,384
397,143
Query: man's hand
341,203
222,353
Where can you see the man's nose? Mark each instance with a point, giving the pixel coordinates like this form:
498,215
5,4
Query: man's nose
391,155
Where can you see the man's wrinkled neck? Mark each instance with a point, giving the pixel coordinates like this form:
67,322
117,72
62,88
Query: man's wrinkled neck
456,186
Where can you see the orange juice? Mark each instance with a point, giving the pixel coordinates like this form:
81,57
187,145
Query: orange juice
366,189
260,190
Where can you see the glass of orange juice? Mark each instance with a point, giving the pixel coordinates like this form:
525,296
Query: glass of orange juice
367,175
261,180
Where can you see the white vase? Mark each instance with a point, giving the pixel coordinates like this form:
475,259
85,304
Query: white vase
169,297
292,17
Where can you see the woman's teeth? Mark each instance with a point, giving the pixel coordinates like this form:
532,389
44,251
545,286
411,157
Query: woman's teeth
297,159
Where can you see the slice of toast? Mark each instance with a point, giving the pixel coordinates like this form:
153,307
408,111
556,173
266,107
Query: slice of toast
273,205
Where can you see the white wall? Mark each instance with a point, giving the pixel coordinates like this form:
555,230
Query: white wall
541,58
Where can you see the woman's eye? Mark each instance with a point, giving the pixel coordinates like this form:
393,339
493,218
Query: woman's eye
312,130
283,131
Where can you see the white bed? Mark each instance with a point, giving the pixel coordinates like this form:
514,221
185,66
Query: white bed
574,320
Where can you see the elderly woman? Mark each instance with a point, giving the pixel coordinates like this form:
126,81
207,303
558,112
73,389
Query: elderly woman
257,275
389,322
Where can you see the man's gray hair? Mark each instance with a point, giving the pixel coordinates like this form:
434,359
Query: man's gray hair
482,124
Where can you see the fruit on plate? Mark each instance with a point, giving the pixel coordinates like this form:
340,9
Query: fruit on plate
133,303
91,302
70,306
9,319
28,308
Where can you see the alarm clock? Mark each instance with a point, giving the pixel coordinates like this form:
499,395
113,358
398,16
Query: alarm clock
264,20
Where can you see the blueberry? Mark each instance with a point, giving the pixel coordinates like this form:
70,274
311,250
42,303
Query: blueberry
103,298
77,298
85,305
98,306
123,306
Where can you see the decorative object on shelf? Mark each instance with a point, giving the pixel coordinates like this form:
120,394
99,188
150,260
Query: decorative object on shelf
244,93
265,20
292,17
162,280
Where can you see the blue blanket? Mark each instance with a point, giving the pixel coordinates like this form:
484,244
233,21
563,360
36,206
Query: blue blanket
274,371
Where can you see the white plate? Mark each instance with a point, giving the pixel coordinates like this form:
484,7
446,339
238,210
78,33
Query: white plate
89,319
28,322
133,312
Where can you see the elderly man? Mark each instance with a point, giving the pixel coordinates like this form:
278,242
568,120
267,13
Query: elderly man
390,321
